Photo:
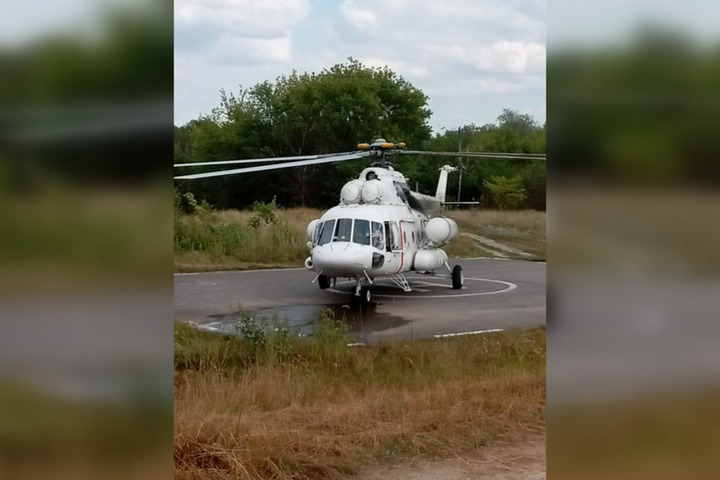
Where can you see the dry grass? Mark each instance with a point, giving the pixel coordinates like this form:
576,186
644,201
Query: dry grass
47,436
632,230
668,435
520,229
323,410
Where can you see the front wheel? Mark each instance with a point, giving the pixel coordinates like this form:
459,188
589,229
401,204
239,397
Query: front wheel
324,281
366,296
361,298
457,277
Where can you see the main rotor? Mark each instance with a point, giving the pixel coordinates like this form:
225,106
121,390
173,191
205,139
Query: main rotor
381,149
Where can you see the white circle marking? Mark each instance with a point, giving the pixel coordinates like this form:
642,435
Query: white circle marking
509,286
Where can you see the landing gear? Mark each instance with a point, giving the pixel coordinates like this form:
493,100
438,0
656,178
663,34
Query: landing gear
365,296
457,277
324,281
361,296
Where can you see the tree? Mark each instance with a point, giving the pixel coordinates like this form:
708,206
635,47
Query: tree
506,193
299,114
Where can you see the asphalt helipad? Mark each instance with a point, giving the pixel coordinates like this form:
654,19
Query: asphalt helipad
498,294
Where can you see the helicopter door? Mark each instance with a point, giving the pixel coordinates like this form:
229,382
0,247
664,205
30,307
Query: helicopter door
393,247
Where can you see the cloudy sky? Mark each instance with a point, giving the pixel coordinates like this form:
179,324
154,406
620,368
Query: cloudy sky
471,57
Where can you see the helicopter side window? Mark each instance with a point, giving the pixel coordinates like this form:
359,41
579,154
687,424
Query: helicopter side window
361,234
343,229
377,236
393,236
325,235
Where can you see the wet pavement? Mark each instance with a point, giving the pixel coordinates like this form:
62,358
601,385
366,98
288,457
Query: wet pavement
497,294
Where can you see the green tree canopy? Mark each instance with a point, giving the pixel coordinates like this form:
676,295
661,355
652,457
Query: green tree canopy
309,113
334,110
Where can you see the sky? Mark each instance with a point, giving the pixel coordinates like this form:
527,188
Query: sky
472,58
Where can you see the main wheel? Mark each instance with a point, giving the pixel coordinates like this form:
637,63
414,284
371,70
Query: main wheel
324,281
457,277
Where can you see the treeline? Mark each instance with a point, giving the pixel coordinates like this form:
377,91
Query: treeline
640,114
334,110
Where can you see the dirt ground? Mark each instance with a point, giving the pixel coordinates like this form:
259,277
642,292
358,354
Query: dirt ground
524,461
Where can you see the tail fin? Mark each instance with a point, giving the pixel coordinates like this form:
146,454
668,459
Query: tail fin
442,183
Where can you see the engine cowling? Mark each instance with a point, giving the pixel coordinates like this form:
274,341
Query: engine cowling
441,230
372,192
351,192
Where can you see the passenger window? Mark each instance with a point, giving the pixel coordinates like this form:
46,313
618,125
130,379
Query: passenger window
377,236
393,236
343,229
361,234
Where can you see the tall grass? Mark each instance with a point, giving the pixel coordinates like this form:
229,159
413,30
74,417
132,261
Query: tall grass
316,408
232,239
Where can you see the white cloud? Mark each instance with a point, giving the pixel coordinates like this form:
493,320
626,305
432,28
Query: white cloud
471,57
250,17
239,50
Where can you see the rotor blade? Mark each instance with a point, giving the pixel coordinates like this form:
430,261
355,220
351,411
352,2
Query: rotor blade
258,160
521,156
325,159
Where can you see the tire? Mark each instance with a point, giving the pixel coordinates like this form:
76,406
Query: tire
365,296
457,277
324,281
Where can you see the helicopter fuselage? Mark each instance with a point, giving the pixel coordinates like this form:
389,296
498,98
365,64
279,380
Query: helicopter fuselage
367,240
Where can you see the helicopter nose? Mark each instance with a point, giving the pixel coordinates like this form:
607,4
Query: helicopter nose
342,258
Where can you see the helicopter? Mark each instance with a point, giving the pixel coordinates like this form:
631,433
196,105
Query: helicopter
380,228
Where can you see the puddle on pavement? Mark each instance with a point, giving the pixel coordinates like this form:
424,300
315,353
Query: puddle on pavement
302,320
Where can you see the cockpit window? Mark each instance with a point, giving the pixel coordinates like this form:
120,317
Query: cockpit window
316,234
325,235
343,230
377,236
361,234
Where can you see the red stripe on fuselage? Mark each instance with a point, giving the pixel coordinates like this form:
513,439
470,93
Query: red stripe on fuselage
402,247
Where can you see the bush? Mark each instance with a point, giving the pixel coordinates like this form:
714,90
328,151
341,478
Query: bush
264,213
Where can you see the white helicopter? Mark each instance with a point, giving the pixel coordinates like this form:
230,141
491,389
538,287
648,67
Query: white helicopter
380,229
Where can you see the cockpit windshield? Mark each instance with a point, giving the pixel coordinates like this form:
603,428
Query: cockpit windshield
342,230
363,232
